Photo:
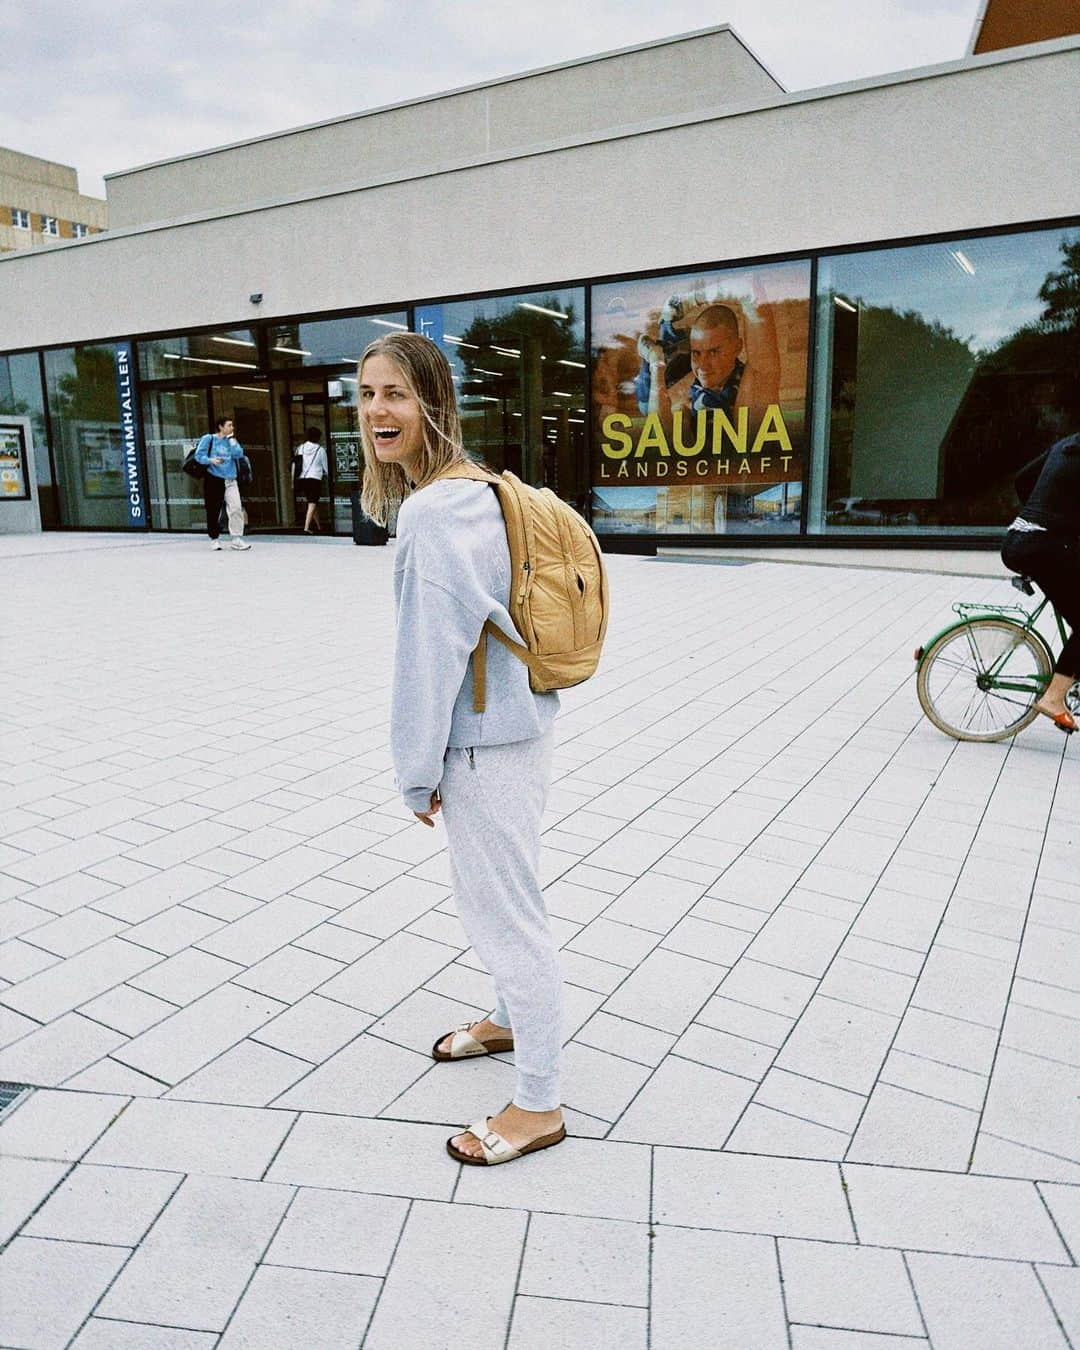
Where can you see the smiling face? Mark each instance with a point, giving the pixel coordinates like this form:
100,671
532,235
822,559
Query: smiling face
713,352
392,414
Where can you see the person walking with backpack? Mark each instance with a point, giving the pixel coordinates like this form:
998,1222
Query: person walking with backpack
471,738
221,453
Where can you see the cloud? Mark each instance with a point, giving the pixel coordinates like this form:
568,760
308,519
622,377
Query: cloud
107,89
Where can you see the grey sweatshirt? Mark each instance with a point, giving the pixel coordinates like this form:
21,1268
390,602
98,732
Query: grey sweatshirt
452,573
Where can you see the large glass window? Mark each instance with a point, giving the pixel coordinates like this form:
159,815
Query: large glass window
328,408
21,396
232,350
699,401
94,452
329,342
249,408
519,368
173,422
176,419
941,369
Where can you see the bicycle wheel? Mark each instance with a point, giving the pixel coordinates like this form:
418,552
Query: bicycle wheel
960,695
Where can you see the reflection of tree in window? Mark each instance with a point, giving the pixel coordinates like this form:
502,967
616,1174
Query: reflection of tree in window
87,441
11,405
21,396
928,428
88,393
1025,394
894,385
512,387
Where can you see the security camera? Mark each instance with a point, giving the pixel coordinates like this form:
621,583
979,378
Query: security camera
255,297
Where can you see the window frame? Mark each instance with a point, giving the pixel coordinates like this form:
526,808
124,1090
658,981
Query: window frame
20,218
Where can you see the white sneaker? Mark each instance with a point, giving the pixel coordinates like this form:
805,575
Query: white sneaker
215,545
240,543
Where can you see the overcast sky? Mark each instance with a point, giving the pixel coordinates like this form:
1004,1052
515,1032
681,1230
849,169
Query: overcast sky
109,86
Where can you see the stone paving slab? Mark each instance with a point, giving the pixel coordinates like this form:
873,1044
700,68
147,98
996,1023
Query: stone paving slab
822,1003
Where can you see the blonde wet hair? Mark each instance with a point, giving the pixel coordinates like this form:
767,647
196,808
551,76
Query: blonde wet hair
426,374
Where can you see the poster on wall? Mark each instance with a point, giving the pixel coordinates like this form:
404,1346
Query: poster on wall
14,481
699,401
347,457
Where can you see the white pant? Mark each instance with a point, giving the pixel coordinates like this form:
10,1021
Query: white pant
235,508
492,803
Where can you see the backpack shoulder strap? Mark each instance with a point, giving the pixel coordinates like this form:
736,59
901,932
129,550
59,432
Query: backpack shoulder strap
469,469
506,486
479,660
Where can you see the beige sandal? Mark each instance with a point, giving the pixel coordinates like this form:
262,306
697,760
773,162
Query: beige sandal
466,1046
497,1149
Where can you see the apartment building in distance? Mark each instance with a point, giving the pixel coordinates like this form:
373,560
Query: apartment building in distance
40,201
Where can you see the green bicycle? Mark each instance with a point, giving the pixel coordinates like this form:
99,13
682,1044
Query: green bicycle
979,679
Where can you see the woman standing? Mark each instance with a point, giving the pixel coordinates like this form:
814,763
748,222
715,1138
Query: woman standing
311,468
487,772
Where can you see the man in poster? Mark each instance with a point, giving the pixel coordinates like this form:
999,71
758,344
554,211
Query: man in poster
709,351
699,389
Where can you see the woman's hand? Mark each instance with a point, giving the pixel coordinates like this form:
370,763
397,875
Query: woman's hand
426,817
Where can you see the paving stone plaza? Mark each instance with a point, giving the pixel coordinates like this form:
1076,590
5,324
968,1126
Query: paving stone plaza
822,986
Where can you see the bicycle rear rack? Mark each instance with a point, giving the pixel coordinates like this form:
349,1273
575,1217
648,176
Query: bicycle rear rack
966,609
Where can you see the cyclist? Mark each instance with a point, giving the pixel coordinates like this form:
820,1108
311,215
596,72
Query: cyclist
1044,543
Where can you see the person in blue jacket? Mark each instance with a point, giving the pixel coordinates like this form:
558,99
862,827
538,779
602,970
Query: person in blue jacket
221,452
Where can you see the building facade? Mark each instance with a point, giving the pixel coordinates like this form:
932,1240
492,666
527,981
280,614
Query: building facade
40,203
695,305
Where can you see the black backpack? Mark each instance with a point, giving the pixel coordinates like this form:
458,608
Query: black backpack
191,465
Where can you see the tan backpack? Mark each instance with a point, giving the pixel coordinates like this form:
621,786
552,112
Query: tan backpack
558,586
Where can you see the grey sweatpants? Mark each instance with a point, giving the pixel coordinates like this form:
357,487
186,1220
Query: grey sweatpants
492,802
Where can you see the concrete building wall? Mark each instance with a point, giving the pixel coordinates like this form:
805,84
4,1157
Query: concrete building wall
920,155
46,172
696,74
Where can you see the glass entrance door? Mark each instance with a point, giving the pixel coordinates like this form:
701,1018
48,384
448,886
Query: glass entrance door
174,420
301,404
327,403
264,497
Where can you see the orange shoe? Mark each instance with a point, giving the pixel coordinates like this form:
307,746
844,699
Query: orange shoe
1064,721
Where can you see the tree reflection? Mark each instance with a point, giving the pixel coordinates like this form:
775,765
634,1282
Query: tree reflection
522,391
914,401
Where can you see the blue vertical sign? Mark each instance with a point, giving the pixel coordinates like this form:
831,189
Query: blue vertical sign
129,435
429,322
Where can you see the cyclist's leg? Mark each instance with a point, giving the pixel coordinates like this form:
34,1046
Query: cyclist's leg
1054,562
